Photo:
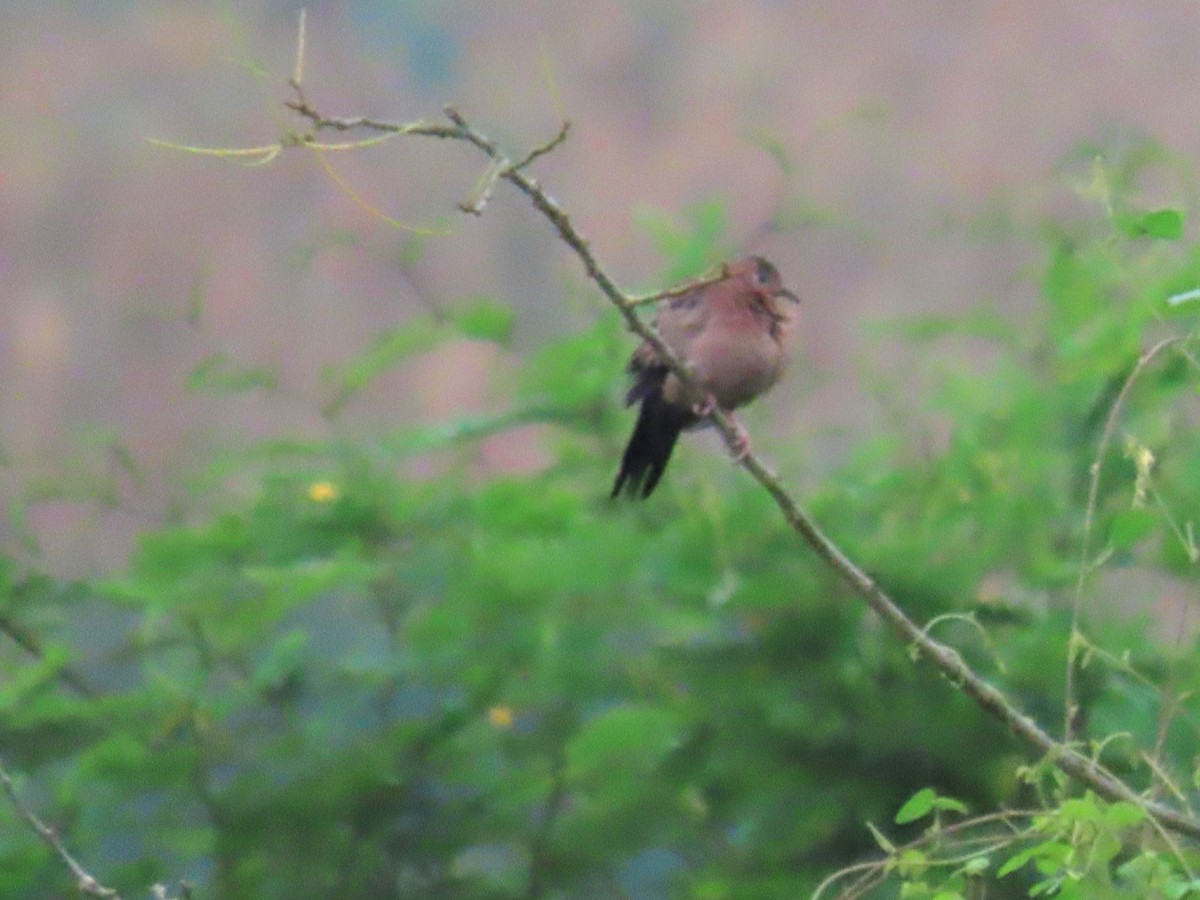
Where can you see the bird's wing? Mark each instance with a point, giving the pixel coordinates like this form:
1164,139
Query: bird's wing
679,323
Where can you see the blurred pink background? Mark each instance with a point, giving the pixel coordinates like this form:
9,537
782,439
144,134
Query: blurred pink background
918,131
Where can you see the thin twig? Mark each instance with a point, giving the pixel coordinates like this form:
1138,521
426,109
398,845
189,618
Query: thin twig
302,108
687,287
1089,519
947,660
84,880
301,47
874,870
31,645
543,149
483,192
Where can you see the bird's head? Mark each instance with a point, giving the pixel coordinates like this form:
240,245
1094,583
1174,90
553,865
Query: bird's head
762,280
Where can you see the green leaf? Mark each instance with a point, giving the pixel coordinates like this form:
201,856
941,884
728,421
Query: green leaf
1177,890
688,249
1124,815
484,319
976,865
1166,224
387,350
912,863
390,347
1080,809
1131,525
630,737
1045,886
579,370
1014,863
773,144
949,804
221,374
283,659
917,806
423,439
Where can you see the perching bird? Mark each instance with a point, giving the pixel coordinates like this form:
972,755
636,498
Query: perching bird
733,333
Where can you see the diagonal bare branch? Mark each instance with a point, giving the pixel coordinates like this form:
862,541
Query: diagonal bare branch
84,880
948,661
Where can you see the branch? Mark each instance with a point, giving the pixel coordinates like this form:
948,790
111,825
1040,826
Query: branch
84,880
1070,709
872,872
946,659
31,645
543,149
687,287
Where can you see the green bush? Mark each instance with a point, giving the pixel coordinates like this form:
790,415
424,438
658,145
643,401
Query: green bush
358,684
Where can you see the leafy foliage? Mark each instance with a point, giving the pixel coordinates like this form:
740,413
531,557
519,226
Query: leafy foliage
357,683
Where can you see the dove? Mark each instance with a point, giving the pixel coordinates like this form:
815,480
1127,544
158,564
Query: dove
733,333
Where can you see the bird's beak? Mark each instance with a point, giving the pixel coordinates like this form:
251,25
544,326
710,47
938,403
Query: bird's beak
784,292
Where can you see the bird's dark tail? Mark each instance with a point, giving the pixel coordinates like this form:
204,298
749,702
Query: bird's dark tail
650,445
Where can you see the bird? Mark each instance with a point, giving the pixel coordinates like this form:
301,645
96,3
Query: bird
733,332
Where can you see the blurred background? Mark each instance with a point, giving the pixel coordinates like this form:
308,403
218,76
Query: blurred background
864,147
271,616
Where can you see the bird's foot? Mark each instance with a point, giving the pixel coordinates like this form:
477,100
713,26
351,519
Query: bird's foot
741,441
705,407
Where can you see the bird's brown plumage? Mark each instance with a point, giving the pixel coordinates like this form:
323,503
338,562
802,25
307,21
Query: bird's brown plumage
734,334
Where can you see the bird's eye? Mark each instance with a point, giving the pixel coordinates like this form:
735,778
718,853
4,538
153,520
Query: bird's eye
764,272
